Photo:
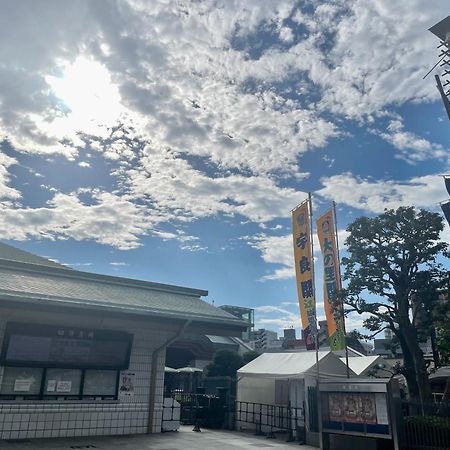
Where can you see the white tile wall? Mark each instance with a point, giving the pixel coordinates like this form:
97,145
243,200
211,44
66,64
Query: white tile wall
33,419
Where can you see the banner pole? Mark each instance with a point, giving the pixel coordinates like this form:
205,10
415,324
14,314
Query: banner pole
340,284
319,403
313,279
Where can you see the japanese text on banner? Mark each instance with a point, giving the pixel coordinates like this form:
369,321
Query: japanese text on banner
331,281
304,272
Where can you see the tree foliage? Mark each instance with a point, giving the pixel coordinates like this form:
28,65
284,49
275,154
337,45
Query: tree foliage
391,271
441,319
250,356
225,363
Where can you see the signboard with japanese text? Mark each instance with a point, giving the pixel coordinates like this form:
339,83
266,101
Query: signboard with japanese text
301,231
31,345
331,281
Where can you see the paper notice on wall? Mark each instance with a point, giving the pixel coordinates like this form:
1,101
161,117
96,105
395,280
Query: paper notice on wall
51,385
23,385
126,387
382,412
64,386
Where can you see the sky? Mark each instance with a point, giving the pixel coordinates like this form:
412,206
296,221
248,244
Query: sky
169,140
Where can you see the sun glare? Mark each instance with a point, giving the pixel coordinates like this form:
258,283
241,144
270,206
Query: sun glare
93,101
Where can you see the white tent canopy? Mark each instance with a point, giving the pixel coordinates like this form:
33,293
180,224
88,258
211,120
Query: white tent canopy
294,365
361,364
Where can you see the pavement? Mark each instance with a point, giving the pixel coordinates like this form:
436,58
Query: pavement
183,439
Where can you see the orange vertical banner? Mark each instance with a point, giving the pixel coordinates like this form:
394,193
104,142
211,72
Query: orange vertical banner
331,281
301,232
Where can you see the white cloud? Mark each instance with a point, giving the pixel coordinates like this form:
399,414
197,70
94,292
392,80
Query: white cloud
110,220
376,195
278,250
379,50
6,192
175,67
277,318
275,250
198,125
176,187
412,148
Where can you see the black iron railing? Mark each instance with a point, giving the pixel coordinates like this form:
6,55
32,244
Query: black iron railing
427,426
201,410
269,419
313,409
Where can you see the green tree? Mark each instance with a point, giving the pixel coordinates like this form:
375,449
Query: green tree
392,258
225,363
250,356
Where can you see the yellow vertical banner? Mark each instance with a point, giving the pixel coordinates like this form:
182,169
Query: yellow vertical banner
301,232
331,281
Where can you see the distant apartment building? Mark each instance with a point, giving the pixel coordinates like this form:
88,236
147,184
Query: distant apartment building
263,339
290,341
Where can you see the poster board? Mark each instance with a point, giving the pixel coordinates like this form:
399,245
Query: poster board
356,407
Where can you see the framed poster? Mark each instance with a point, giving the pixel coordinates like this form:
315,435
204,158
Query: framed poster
336,407
23,385
356,408
126,385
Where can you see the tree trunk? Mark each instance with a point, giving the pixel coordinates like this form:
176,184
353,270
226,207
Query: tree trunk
418,363
408,368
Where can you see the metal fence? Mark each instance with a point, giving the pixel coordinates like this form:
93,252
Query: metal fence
201,409
427,426
269,419
313,409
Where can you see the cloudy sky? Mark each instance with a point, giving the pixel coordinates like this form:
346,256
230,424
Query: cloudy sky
168,140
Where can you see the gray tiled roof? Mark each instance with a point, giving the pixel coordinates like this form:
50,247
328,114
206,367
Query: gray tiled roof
10,253
39,284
